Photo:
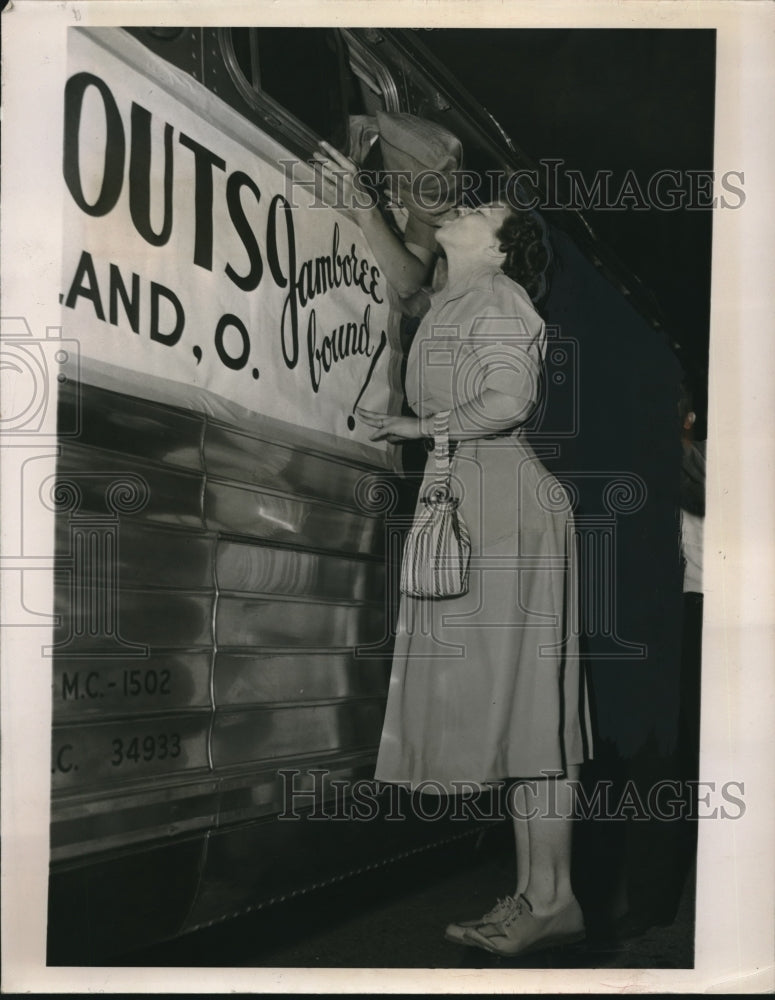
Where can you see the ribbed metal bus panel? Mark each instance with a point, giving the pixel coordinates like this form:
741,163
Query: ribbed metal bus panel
111,485
88,687
264,622
89,823
268,734
244,458
147,555
163,619
257,678
131,426
303,782
278,518
267,570
151,618
102,755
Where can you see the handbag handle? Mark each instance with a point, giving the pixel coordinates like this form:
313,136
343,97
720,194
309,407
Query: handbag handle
441,442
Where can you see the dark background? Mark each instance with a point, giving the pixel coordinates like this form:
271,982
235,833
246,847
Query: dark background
615,100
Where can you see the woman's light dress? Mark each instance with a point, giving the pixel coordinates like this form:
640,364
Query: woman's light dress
488,686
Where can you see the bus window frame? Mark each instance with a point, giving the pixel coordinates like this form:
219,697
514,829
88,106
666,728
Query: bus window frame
372,71
353,57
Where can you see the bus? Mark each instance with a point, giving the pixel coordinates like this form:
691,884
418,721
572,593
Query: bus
225,575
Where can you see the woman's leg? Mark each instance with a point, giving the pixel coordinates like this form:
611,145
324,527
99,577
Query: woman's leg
542,813
517,810
543,827
516,806
546,911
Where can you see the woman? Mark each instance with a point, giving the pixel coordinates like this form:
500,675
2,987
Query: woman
486,687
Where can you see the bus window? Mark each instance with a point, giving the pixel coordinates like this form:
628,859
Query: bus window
299,84
371,85
301,71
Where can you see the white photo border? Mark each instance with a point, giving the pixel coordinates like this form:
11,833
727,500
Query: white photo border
734,931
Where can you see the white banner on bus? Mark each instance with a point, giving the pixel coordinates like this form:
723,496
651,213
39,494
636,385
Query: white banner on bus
184,257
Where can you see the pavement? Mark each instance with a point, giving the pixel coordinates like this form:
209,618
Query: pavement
394,917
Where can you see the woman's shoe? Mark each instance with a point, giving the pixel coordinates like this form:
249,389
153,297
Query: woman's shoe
521,932
501,910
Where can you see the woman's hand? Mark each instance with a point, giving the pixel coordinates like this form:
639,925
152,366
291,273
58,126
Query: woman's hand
394,429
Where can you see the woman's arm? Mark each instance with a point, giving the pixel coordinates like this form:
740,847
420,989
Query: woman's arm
406,267
490,413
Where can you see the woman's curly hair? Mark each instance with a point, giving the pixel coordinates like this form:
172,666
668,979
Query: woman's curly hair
524,239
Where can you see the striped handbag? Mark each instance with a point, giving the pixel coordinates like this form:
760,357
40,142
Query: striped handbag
437,550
